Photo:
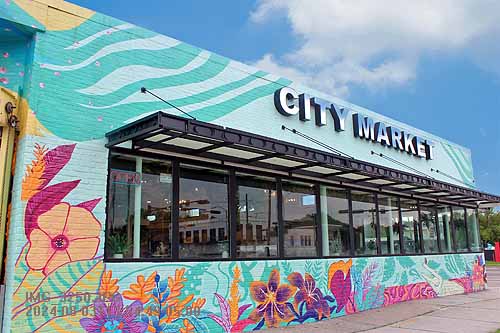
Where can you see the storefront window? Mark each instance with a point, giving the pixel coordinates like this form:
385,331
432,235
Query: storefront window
429,228
203,208
139,209
444,218
257,218
299,217
460,229
411,234
473,228
335,221
388,209
364,222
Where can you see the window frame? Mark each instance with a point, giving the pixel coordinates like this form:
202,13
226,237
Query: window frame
232,203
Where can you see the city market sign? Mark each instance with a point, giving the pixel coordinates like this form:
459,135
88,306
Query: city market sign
289,103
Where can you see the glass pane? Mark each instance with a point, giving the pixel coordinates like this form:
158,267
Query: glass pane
411,237
389,224
257,218
299,217
203,208
364,222
444,218
335,221
473,228
460,230
429,229
148,223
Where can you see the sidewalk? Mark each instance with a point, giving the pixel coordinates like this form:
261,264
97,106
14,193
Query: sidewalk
477,312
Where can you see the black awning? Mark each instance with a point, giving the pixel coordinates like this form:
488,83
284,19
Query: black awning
161,133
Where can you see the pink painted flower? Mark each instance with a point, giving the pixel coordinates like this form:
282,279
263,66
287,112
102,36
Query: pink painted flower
4,80
6,55
98,63
65,233
57,73
42,85
21,74
3,70
99,119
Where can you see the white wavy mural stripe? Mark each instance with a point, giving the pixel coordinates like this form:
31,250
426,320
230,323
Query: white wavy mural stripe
126,75
215,100
90,39
180,91
154,43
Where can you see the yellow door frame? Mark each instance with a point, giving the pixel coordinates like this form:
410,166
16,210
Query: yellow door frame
7,142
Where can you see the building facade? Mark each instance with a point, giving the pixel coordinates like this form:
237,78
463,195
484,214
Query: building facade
152,186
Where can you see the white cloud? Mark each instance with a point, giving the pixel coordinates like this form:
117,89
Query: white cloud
375,43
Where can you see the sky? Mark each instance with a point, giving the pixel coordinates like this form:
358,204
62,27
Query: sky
434,65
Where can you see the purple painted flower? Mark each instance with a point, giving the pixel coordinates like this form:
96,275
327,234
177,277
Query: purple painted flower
271,299
308,293
114,318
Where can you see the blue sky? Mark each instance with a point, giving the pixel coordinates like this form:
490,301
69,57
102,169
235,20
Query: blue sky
433,65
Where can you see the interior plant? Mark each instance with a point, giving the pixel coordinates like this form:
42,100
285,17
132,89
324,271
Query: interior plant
119,244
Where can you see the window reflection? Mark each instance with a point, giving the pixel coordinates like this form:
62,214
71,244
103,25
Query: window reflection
364,217
460,229
335,221
257,218
411,235
389,224
429,228
299,217
473,228
203,208
444,219
148,182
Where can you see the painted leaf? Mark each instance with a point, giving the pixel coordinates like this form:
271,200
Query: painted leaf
224,307
44,201
78,278
240,325
55,160
89,205
242,309
341,288
222,323
389,268
199,326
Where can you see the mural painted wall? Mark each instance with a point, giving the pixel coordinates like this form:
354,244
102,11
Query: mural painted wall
62,285
82,76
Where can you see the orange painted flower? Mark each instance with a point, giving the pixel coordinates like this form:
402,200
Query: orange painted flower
108,285
65,233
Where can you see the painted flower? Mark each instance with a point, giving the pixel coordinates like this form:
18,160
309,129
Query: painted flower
308,293
271,299
65,233
114,317
339,282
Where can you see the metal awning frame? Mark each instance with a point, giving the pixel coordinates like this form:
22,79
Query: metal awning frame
344,170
